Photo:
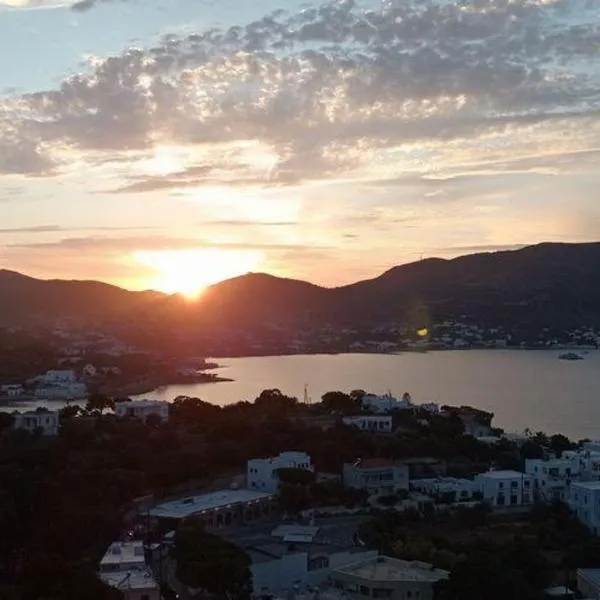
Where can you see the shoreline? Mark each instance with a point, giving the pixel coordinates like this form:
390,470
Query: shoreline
147,386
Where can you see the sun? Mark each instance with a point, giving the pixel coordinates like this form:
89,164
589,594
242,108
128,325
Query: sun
189,272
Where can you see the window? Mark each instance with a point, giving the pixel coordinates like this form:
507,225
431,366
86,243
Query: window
500,500
501,485
382,593
514,499
364,590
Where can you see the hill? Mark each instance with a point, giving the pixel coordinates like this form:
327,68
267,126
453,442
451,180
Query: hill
553,285
25,300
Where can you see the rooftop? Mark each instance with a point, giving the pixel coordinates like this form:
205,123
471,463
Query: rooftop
587,485
590,575
376,463
127,553
144,402
134,579
184,507
504,475
384,568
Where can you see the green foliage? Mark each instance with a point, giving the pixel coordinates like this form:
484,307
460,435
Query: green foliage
495,572
340,402
296,476
211,564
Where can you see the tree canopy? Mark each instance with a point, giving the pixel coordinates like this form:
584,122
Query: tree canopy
210,564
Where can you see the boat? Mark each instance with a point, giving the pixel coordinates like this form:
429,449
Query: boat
570,356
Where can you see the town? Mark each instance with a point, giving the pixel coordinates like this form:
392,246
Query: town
356,495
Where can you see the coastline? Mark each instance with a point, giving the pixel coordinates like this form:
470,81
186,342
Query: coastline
151,384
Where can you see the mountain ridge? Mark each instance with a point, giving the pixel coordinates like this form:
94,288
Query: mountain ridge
547,282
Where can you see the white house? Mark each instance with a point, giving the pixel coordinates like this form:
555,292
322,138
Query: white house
58,376
124,568
142,409
278,568
386,403
584,500
505,488
61,391
11,390
376,475
373,423
384,577
46,421
262,473
458,490
552,477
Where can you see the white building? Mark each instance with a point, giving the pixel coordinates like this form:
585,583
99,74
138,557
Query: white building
386,403
372,423
457,490
61,391
430,407
298,557
376,475
217,510
58,376
11,390
124,568
142,409
584,500
262,473
46,421
588,583
553,477
505,488
384,577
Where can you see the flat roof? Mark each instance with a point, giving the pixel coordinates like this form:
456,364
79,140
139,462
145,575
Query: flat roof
124,553
590,575
587,485
133,579
285,530
184,507
384,568
504,474
376,463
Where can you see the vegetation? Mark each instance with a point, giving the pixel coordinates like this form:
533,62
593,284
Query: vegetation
489,556
63,500
211,565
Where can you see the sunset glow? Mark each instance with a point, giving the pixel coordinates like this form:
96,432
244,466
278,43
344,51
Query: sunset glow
189,272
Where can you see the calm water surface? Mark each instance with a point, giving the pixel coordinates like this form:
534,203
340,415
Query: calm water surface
522,388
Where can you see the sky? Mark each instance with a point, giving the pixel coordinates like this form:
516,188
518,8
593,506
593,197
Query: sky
169,144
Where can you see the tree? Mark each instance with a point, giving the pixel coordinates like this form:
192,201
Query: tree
69,412
99,402
559,443
340,402
211,564
296,476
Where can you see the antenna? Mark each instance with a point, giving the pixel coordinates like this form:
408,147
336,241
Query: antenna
306,396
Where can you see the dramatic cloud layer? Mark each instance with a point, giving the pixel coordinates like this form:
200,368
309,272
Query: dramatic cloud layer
410,88
331,141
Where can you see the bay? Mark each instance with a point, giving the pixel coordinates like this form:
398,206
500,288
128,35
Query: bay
523,388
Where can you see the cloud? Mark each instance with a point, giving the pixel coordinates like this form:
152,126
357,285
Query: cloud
79,6
124,245
60,229
333,91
